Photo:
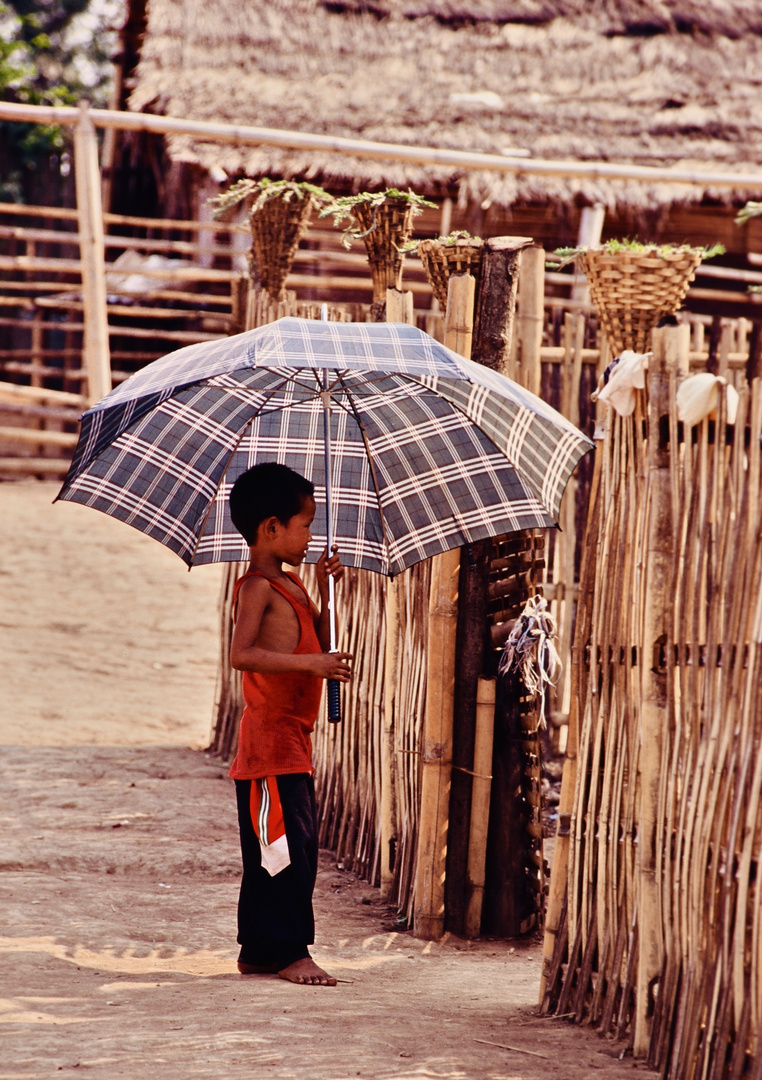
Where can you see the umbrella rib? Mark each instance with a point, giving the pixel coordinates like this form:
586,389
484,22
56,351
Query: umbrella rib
359,422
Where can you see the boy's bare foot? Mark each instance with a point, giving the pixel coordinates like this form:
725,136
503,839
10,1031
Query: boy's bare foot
307,973
257,969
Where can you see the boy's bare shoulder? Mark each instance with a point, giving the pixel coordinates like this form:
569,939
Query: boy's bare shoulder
255,588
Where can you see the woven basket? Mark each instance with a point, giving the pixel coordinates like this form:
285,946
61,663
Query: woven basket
632,290
387,228
276,230
440,260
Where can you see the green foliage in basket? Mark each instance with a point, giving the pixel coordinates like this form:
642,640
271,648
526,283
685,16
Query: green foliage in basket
342,211
259,192
450,240
565,255
751,210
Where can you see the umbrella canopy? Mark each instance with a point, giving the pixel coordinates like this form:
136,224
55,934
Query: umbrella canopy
429,450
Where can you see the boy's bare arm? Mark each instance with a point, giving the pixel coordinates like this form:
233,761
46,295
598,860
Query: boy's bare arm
254,600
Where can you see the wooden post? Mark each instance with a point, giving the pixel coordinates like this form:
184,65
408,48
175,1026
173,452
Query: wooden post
670,353
589,235
459,319
497,300
531,316
96,356
480,796
445,219
472,643
495,307
436,755
36,356
399,308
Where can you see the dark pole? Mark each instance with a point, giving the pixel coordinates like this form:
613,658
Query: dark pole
495,307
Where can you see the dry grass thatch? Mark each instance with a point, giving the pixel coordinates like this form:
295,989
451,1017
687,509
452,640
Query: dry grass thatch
665,82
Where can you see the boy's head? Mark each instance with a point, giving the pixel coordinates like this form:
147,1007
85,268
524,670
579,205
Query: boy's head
266,491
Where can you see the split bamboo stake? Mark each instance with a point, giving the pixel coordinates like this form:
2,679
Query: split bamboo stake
96,357
480,796
440,678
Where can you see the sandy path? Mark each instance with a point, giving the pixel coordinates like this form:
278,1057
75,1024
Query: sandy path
105,637
118,887
119,861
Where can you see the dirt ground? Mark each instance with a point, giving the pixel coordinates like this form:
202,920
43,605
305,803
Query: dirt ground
119,860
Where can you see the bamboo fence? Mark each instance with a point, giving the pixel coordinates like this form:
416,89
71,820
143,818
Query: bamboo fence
653,930
349,755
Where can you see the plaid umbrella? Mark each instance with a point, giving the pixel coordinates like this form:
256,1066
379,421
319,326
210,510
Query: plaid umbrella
429,450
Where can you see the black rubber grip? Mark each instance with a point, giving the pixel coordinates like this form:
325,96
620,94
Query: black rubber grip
334,702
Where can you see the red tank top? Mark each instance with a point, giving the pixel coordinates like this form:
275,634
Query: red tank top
279,709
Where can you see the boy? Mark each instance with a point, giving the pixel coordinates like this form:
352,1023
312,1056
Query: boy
279,644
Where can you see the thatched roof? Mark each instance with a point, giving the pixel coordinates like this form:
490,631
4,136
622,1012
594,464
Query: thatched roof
665,82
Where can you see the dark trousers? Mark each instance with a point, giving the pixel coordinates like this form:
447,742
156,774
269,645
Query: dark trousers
275,919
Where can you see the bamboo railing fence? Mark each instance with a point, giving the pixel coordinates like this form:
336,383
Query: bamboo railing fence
653,927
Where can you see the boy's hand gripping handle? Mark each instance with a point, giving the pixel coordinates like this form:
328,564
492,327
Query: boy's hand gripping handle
334,699
334,702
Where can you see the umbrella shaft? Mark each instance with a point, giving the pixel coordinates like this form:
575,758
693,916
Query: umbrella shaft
329,507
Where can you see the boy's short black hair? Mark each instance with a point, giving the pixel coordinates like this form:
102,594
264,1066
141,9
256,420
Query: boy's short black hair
264,491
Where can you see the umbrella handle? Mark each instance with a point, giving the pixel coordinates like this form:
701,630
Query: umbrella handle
334,702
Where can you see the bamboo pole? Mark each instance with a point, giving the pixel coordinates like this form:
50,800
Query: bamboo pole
12,392
437,748
588,235
34,466
96,357
670,351
39,436
531,317
559,875
565,541
440,679
517,161
399,309
480,797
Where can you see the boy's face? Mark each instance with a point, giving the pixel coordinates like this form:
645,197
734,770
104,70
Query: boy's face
295,536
